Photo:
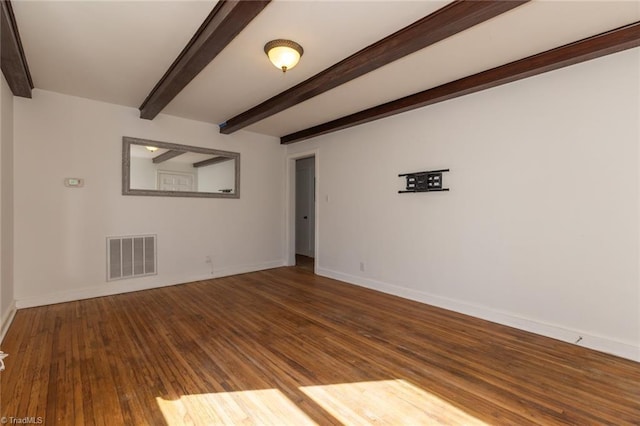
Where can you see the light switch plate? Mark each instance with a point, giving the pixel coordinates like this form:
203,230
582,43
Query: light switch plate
74,182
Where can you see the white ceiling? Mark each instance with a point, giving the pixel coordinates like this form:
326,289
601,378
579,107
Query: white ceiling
116,51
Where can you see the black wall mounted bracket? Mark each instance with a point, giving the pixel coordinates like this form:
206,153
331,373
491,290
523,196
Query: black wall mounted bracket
429,181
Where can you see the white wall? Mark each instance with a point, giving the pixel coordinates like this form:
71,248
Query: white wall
7,306
541,227
60,232
215,177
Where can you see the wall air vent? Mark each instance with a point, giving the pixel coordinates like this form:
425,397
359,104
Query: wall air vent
131,256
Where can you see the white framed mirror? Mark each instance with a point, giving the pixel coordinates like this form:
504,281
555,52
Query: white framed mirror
155,168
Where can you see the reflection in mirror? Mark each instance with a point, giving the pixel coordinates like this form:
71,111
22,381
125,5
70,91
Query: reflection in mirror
167,169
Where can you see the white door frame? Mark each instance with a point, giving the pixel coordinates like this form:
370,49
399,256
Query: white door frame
290,214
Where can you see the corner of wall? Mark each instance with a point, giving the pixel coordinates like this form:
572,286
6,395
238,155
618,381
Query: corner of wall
7,319
7,294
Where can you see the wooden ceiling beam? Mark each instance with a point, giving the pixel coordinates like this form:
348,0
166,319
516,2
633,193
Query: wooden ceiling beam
12,58
210,161
223,24
445,22
613,41
172,153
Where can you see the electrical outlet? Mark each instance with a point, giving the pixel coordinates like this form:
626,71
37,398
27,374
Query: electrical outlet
361,266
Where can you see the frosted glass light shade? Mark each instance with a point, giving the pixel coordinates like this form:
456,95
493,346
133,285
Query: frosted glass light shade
283,54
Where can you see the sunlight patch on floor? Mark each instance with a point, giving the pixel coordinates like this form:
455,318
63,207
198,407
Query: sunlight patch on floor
255,407
390,402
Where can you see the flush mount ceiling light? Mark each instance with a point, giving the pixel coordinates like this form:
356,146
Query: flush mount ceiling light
284,54
152,148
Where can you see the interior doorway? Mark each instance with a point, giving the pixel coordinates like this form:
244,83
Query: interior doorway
305,211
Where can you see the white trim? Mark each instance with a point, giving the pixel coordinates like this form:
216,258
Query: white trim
144,283
290,218
599,343
7,319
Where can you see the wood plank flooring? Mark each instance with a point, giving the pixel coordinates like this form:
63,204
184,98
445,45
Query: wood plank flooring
287,347
305,262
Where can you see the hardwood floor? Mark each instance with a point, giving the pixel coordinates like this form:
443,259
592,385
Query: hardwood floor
287,347
305,262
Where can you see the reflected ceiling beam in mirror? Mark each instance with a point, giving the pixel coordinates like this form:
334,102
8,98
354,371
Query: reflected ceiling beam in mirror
613,41
223,24
210,161
167,156
13,60
443,23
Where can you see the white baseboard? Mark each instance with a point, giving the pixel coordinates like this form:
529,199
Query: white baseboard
245,269
6,320
137,284
599,343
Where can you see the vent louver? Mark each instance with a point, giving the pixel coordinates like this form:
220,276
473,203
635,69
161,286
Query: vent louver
131,256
